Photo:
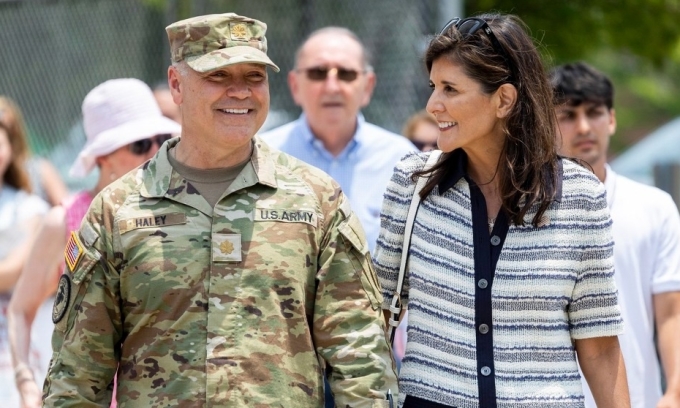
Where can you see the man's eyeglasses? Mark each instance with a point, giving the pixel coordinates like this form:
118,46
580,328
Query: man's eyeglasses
142,147
321,73
471,25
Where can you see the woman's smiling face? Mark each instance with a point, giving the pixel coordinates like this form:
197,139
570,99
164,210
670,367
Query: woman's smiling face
466,115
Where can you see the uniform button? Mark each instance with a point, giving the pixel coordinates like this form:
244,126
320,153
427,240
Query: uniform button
495,240
485,371
484,328
483,283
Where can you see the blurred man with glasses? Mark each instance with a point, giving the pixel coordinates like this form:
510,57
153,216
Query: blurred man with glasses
332,81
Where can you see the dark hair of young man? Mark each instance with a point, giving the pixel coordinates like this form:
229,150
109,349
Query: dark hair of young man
578,82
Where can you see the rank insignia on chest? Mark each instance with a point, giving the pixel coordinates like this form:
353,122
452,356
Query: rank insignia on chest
73,251
226,247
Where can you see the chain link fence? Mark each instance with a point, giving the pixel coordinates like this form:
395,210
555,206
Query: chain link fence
55,51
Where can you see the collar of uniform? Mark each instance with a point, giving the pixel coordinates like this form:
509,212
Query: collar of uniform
458,171
308,137
153,186
263,163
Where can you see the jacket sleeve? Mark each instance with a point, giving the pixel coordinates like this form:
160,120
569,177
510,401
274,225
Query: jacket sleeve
87,335
594,310
349,330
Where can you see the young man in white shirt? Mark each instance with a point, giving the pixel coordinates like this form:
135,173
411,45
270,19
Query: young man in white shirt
646,229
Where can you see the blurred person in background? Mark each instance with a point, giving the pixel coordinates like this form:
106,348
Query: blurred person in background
510,243
332,80
44,177
20,215
646,229
124,128
422,130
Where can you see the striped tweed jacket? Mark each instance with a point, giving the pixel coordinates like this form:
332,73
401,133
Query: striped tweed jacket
551,284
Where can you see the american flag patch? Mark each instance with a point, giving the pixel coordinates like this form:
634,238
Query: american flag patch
73,251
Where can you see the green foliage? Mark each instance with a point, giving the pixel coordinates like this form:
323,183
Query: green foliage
573,28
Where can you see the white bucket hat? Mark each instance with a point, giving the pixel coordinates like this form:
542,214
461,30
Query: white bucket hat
116,113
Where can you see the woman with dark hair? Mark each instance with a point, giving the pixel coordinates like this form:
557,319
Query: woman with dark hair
510,272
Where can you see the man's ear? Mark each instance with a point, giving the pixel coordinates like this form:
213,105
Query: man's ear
174,83
612,121
369,86
506,97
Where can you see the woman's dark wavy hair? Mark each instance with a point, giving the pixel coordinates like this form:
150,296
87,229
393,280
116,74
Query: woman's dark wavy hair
528,164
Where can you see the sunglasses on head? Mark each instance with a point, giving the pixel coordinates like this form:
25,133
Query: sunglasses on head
321,73
471,25
142,147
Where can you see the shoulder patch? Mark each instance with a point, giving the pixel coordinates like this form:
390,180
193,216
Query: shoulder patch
62,298
73,252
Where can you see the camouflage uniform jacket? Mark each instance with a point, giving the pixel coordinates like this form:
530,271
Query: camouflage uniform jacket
237,306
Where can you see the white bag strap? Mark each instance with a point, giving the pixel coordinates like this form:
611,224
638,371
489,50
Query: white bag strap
396,306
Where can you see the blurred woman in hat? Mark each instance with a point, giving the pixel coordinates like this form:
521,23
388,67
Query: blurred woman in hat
124,128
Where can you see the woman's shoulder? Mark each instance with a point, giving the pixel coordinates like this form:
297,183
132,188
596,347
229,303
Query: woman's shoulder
580,184
412,162
576,173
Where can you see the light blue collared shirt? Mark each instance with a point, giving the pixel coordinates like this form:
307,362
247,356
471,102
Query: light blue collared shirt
362,169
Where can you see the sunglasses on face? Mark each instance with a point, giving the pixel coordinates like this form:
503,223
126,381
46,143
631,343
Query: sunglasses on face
142,147
424,146
321,73
469,26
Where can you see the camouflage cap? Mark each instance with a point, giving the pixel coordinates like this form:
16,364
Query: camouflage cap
214,41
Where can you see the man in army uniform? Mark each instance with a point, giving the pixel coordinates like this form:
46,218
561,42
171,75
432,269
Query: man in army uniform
221,273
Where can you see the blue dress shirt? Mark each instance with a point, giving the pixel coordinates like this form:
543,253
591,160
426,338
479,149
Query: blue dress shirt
362,169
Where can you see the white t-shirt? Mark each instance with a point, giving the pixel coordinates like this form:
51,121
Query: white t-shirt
646,229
